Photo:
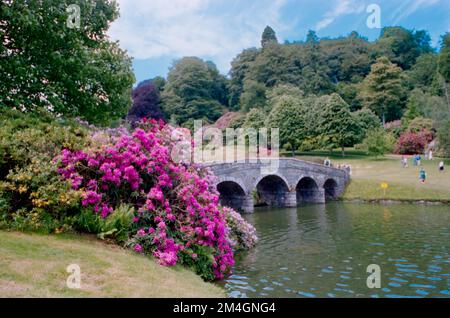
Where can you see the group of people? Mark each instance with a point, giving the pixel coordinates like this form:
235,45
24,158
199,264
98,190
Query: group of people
417,160
347,167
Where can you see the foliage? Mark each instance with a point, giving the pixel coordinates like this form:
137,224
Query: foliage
255,119
367,121
70,71
146,103
194,90
383,90
288,115
378,142
32,195
443,136
444,58
420,123
423,75
238,121
395,128
268,37
177,218
241,233
253,96
336,124
411,143
239,69
403,46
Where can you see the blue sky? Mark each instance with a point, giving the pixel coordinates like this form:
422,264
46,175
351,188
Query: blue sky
155,32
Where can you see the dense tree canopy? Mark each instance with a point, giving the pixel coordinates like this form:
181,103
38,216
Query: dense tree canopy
194,90
383,90
69,71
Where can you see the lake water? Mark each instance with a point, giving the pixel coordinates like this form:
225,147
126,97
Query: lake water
324,251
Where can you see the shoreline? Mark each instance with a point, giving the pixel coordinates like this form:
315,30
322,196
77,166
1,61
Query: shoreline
395,201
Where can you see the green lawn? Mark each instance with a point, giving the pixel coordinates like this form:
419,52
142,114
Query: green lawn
33,265
368,174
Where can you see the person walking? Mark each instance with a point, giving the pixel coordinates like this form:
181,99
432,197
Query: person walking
441,166
422,175
430,155
419,159
405,162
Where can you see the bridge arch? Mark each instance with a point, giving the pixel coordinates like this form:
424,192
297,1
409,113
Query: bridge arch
331,189
232,193
308,191
272,190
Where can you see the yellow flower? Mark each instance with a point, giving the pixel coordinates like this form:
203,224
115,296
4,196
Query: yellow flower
23,189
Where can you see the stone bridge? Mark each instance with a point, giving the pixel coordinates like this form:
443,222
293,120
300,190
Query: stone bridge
290,183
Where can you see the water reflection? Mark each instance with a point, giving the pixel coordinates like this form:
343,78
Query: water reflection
324,251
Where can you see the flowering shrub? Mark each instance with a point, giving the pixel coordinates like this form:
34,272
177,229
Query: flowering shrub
177,217
411,143
32,195
242,234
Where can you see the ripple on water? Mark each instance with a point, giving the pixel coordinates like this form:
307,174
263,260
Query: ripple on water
421,286
305,294
422,292
399,280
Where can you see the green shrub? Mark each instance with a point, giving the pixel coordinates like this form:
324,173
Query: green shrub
32,194
378,142
116,226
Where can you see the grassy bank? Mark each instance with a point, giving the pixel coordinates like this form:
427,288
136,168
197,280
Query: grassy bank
368,173
34,265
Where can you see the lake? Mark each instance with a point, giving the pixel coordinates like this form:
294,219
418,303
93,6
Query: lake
324,251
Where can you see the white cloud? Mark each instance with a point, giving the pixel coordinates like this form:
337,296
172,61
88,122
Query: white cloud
408,8
342,7
157,28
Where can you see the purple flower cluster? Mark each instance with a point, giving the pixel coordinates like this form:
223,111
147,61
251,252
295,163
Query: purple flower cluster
177,207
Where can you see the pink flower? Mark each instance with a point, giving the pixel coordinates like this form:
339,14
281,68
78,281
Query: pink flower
138,248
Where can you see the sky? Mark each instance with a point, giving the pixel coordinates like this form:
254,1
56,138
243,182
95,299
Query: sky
157,32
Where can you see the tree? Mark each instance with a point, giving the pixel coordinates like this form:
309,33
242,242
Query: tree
367,121
444,58
383,90
403,46
268,37
444,66
282,90
239,69
423,75
378,142
146,103
253,96
158,81
191,92
443,136
255,119
288,115
419,124
68,71
336,124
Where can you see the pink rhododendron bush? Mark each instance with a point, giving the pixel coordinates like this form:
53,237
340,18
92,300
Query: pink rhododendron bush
177,218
